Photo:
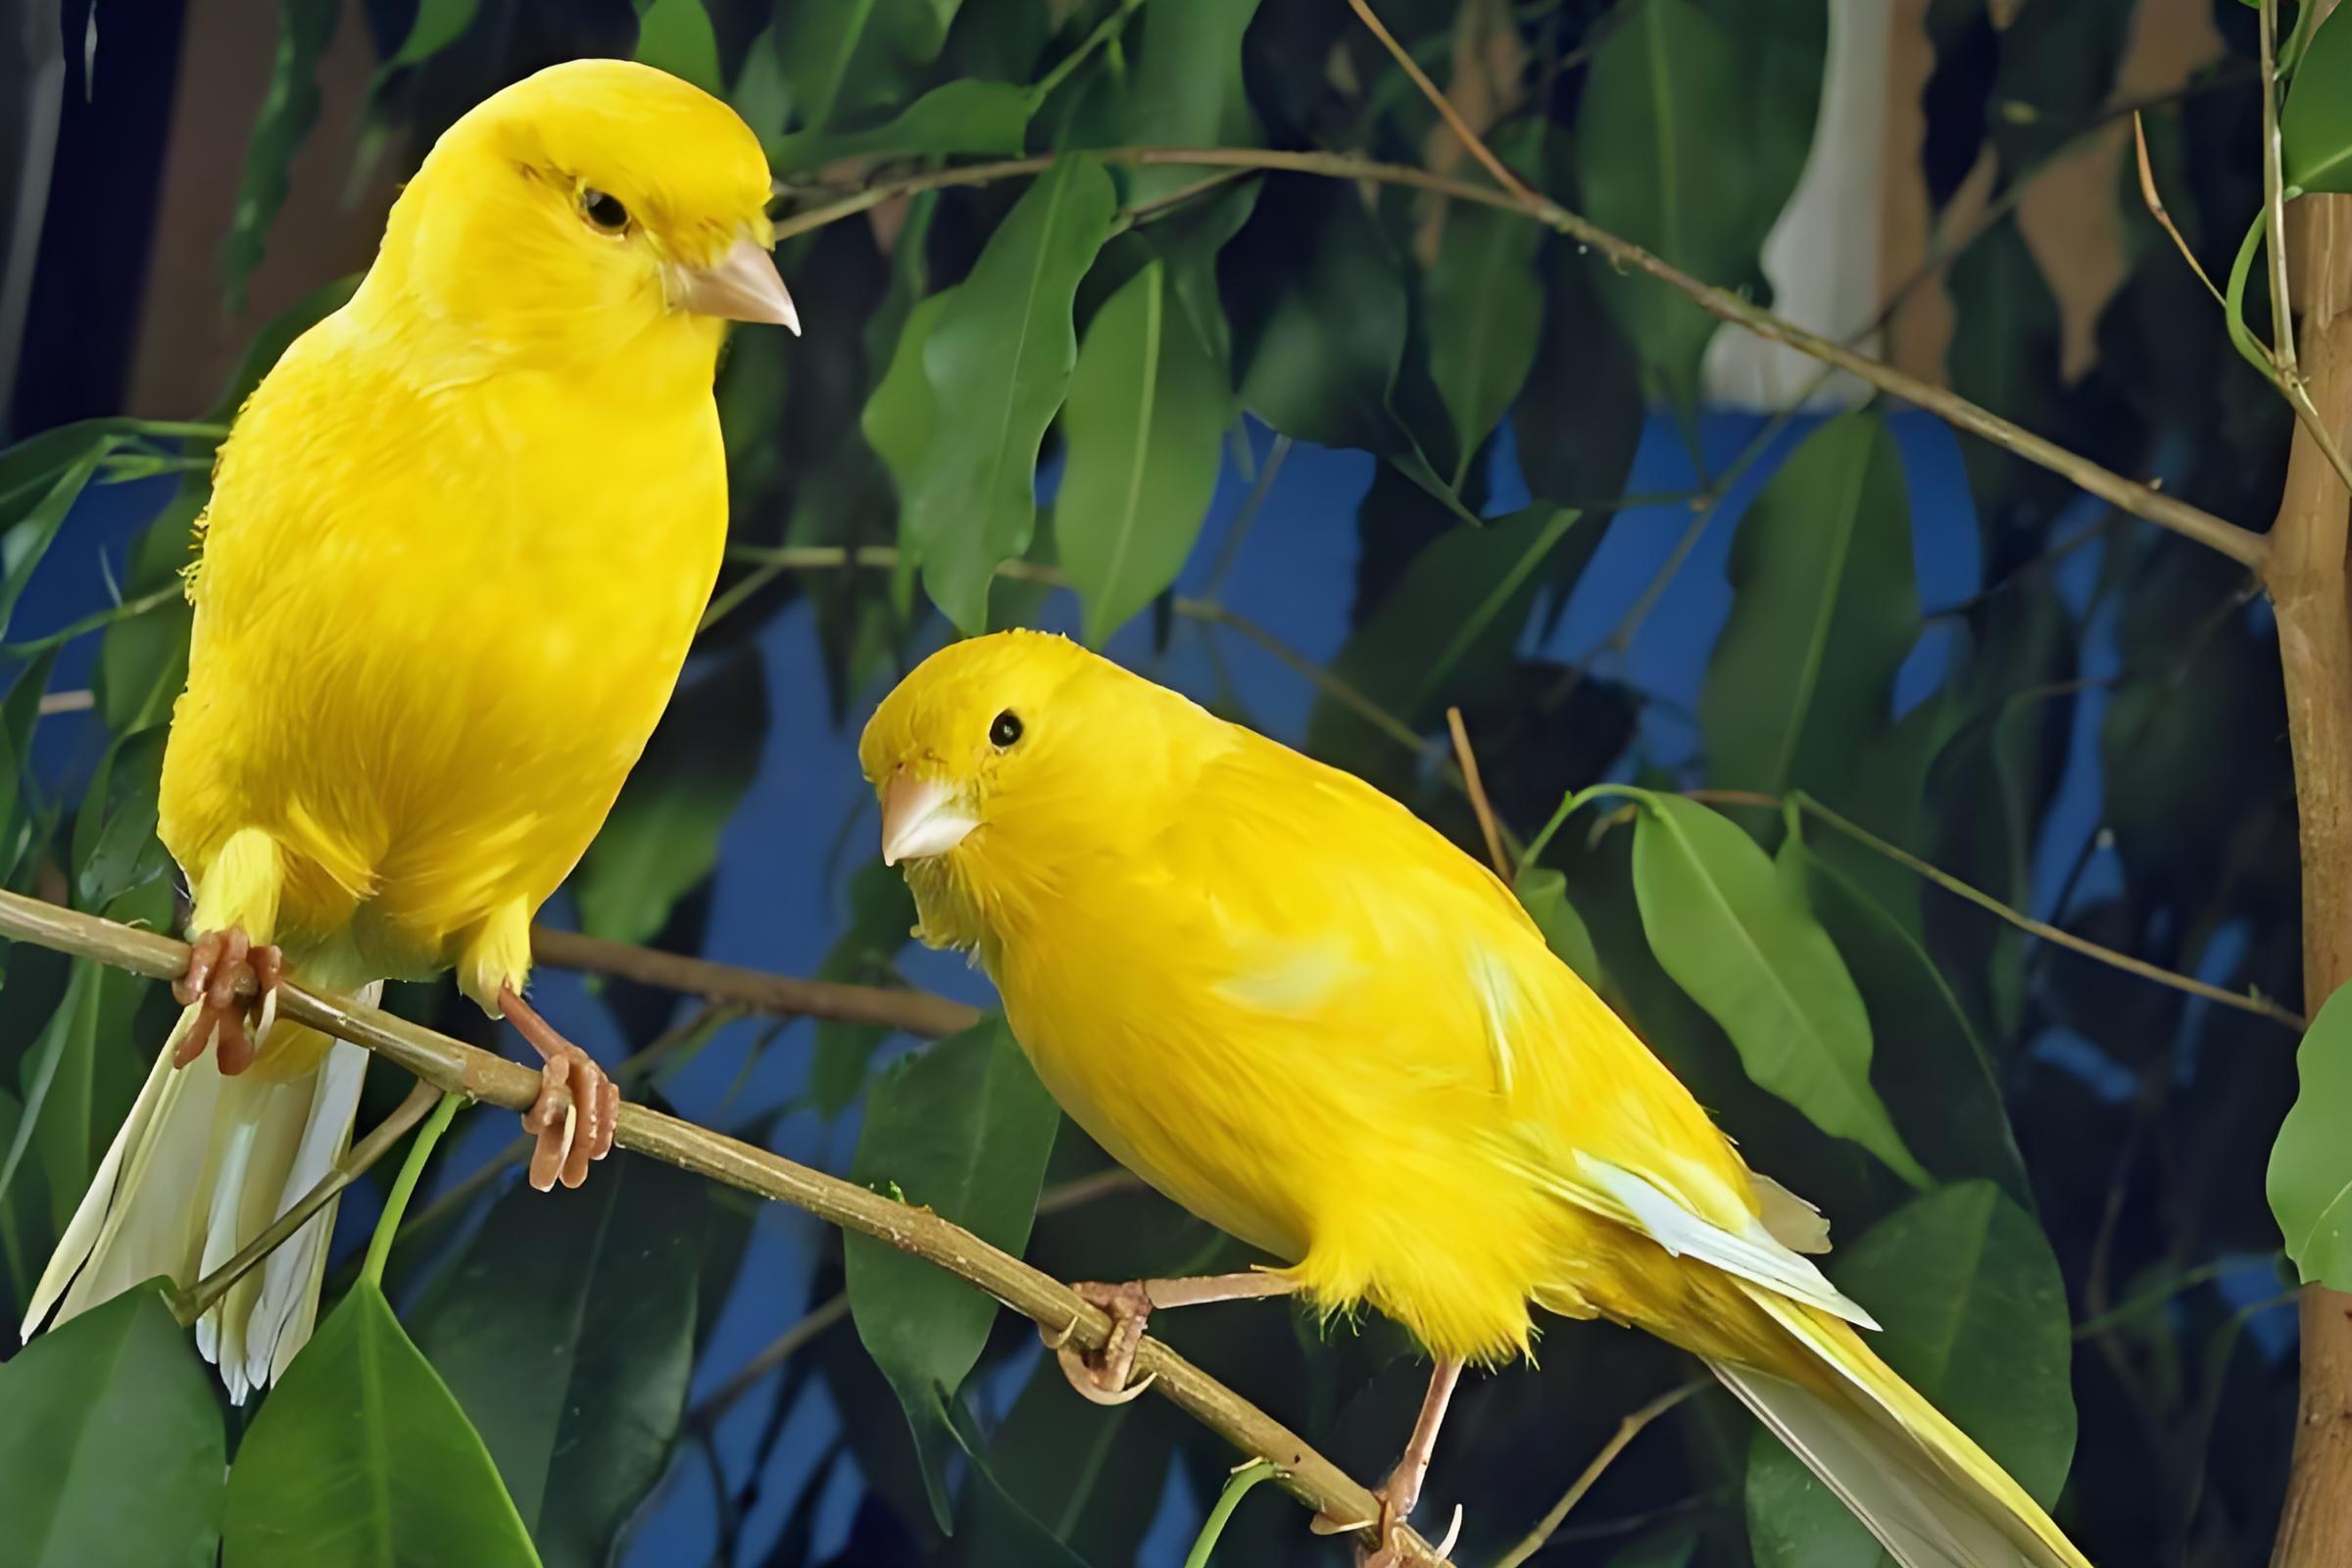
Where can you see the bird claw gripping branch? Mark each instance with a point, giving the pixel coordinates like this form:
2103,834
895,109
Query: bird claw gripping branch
220,962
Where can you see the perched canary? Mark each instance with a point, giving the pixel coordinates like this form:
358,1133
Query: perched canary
459,542
1284,1001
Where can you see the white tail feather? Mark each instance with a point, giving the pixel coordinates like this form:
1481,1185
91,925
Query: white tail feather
201,1166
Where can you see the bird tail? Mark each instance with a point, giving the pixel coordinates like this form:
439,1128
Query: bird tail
1918,1483
201,1166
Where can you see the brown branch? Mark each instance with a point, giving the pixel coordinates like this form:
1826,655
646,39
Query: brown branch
1627,1430
2309,590
1467,761
2140,499
915,1013
455,1067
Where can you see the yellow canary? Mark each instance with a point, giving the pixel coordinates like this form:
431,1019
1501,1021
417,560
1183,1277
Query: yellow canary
1299,1011
459,542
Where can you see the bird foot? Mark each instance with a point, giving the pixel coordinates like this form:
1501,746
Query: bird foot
220,962
571,1133
1102,1375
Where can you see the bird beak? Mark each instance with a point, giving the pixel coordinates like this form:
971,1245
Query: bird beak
742,285
921,818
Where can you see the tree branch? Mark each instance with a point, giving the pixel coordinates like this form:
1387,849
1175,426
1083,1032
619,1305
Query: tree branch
455,1067
1627,1430
915,1013
2140,499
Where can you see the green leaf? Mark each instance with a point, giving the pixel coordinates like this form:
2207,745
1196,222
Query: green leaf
1144,429
111,1442
1976,1319
61,1055
19,710
902,416
1092,1477
114,842
675,36
1688,145
567,1335
881,915
1579,417
662,837
1822,614
1002,354
1450,623
963,1129
289,108
1939,1083
28,538
967,119
2315,129
436,25
851,55
1741,941
1325,349
1186,89
1483,301
1543,893
2310,1182
359,1459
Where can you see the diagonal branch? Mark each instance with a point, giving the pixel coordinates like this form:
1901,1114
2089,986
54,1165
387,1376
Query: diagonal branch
455,1067
2239,544
915,1013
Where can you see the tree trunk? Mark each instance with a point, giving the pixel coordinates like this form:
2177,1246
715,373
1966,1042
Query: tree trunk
2307,581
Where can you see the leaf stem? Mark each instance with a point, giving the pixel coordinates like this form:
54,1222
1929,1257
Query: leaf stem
2273,200
396,1204
1105,31
1247,1476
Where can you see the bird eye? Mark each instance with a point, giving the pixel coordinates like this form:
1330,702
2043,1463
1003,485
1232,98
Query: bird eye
1005,729
604,211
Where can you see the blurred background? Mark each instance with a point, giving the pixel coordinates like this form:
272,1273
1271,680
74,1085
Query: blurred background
2055,703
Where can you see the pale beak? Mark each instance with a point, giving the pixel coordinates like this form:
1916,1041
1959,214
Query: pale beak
920,818
742,285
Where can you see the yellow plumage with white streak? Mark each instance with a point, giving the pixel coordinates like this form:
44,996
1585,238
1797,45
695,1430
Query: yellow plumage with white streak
1300,1013
459,542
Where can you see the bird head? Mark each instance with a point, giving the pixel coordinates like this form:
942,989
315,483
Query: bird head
1002,762
584,208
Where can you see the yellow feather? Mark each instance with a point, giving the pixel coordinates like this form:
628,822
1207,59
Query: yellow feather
459,540
1300,1013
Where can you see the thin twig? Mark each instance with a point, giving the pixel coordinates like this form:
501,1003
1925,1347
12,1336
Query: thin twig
1627,1430
2154,202
771,1356
70,702
915,1013
456,1067
2140,499
2274,202
2259,1006
355,1164
1477,791
1471,143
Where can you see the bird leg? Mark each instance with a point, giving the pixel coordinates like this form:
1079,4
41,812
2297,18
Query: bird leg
582,1130
1102,1375
1403,1488
220,962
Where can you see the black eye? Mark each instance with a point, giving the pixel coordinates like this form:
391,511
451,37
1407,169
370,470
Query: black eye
605,211
1005,729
